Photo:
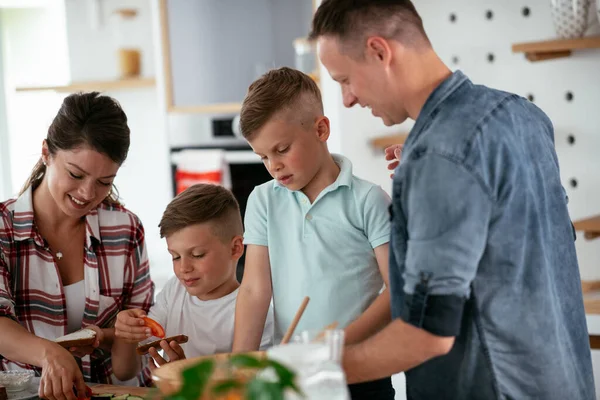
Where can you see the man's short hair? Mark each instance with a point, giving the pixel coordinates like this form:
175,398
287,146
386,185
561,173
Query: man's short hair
352,21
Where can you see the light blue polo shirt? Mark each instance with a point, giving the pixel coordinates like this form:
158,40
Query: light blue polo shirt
322,250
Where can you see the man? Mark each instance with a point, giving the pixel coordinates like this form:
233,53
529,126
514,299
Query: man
485,287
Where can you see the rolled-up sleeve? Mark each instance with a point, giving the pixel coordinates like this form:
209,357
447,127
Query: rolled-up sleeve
7,303
447,212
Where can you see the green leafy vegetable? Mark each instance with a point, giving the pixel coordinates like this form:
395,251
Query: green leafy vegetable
196,379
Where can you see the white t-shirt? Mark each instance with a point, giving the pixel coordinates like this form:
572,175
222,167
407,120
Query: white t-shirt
75,299
207,324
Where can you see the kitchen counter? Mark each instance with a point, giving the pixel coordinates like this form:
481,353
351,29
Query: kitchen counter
120,390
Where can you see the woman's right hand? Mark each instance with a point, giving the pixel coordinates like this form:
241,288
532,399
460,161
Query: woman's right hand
60,373
130,326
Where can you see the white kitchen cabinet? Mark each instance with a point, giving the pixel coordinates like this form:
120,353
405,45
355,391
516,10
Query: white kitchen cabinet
213,49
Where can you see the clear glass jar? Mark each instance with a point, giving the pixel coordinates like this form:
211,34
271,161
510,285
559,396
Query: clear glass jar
305,56
128,52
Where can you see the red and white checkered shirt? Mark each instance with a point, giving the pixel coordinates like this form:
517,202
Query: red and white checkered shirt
116,275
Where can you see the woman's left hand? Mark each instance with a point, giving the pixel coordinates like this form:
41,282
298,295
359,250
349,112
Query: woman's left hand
85,350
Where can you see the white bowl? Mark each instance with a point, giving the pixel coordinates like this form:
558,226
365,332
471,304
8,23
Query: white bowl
15,381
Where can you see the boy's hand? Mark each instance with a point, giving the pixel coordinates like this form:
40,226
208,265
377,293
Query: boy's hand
130,326
172,350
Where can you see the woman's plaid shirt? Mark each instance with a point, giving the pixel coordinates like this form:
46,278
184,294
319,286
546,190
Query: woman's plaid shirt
116,274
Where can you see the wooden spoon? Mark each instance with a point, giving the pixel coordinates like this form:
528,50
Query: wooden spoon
292,327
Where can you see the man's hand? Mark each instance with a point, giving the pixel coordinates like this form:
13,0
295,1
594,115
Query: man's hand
130,326
392,154
172,350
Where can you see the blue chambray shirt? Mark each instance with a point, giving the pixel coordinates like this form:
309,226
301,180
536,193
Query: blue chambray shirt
482,248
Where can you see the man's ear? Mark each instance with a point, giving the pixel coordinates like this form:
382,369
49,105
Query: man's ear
322,128
379,49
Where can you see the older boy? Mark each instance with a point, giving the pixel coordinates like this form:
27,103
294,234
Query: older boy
203,229
315,230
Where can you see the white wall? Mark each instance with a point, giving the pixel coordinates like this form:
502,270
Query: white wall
35,52
5,179
36,42
352,128
212,60
95,33
144,181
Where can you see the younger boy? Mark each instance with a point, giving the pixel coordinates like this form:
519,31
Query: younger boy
315,230
203,230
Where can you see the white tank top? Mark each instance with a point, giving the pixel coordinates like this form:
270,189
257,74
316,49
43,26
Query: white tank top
75,299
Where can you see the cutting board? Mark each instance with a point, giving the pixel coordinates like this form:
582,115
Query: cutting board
120,390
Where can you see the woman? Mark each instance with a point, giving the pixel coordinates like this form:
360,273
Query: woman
70,255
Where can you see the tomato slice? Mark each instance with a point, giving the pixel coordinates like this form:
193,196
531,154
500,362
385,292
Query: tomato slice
86,395
155,327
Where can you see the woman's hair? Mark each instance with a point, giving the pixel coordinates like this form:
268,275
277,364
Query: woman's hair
86,120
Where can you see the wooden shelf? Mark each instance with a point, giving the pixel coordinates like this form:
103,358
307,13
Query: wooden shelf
590,227
121,84
591,296
386,141
591,303
550,49
219,108
224,108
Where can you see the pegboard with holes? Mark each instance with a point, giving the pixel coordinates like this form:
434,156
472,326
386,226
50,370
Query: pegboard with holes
476,37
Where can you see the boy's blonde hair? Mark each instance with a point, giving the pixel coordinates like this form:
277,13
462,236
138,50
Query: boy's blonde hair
282,89
203,203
